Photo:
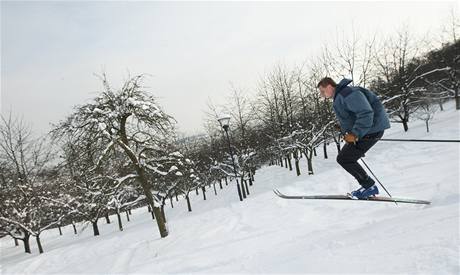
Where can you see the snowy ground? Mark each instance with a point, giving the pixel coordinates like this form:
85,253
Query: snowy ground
265,234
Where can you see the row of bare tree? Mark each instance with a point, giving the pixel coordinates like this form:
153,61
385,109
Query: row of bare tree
115,153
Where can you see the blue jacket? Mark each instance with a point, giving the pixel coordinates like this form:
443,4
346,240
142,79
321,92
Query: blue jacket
359,110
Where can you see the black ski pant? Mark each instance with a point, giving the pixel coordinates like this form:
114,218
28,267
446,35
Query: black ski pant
350,154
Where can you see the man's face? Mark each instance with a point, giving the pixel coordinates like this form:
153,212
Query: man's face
327,91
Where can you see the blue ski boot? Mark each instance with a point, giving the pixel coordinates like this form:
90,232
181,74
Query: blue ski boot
363,192
357,193
369,192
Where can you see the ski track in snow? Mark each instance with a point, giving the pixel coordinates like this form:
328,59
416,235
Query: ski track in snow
266,234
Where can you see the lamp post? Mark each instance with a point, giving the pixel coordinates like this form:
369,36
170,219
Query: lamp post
224,123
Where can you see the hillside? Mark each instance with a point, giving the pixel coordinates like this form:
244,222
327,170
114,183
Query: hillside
265,234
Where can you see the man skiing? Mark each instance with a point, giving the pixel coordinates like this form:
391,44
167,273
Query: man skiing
362,120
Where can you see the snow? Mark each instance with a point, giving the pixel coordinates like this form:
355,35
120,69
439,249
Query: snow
173,168
98,111
266,234
130,176
176,154
102,126
155,169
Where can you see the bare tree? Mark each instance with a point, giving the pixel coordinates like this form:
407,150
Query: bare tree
451,30
399,68
128,119
427,109
27,189
350,56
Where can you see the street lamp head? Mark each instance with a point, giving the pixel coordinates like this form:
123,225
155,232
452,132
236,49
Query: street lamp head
224,122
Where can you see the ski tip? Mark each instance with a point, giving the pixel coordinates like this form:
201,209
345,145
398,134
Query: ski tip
277,192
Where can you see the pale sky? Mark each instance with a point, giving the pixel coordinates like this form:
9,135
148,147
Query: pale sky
193,51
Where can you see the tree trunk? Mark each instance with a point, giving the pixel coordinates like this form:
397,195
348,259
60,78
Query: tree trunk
289,162
196,190
281,162
163,213
16,243
204,192
214,186
239,190
220,184
170,200
60,230
127,216
129,211
39,244
156,215
297,167
74,228
95,228
310,166
26,242
296,162
226,182
314,151
177,199
161,222
250,181
285,162
247,188
188,203
242,188
427,128
405,119
337,143
120,224
141,177
107,219
405,126
325,150
457,99
309,156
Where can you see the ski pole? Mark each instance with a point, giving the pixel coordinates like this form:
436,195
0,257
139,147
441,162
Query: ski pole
377,179
416,140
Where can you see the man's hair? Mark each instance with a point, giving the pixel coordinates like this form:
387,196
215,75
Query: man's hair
326,81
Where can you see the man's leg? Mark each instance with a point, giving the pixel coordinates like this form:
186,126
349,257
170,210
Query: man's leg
350,154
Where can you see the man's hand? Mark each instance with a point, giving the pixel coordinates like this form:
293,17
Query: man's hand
350,138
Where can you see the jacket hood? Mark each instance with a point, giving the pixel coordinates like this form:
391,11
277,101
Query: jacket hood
342,84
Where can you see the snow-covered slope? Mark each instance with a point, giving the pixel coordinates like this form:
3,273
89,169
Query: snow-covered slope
265,234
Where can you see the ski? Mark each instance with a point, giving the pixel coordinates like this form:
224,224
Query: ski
348,197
